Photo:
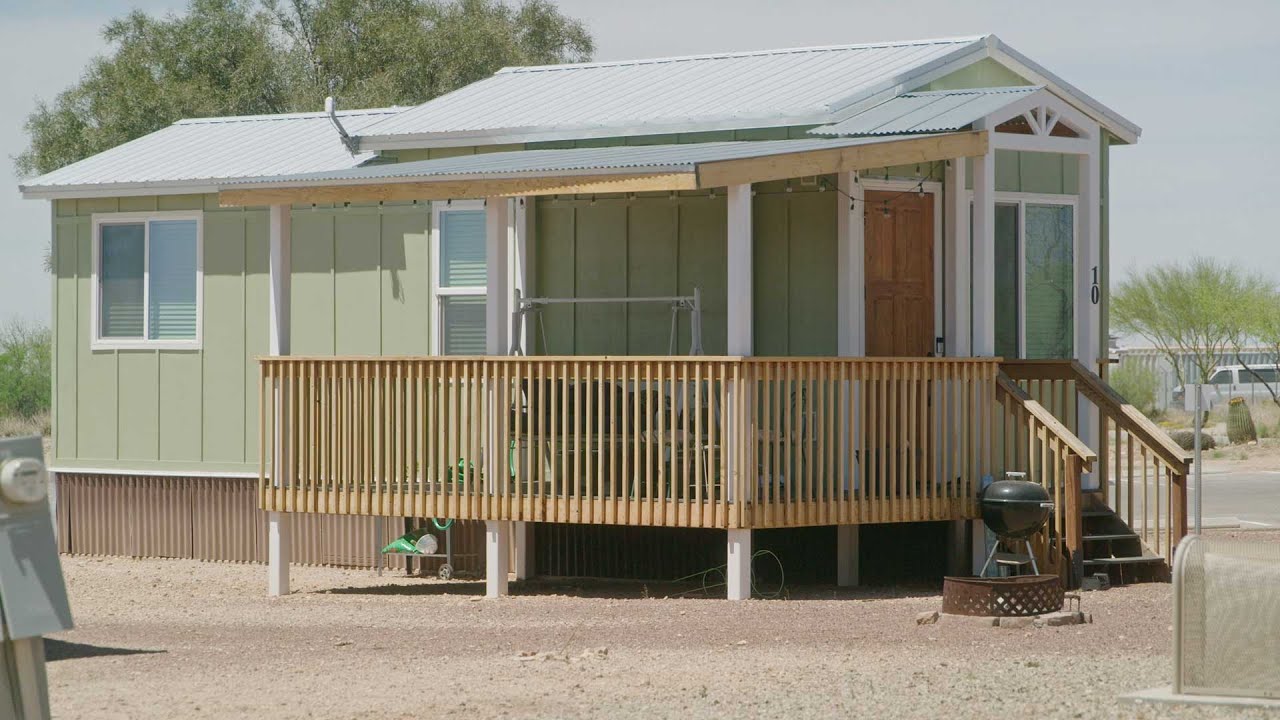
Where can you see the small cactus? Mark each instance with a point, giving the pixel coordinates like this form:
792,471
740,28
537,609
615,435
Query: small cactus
1186,439
1240,427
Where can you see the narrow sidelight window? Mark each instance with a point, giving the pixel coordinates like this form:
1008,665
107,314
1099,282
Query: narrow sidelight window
460,277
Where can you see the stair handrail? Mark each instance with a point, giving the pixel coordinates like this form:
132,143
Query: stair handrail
1108,401
1077,458
1077,447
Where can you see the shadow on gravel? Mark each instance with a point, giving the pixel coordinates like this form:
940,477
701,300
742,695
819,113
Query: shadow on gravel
63,650
631,590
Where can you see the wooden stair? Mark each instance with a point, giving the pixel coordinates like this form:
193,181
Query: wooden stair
1112,548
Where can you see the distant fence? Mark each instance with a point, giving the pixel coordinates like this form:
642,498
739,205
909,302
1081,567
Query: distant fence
1167,378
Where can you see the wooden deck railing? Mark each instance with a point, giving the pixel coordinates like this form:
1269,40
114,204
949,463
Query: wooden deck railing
675,441
1034,441
1142,475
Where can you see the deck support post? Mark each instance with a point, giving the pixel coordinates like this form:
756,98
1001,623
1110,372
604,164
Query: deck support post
737,573
278,316
497,560
522,546
847,570
278,553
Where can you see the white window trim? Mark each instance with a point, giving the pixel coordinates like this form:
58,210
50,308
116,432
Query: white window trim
96,342
1021,200
439,293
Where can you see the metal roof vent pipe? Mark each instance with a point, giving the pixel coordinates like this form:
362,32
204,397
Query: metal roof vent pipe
331,109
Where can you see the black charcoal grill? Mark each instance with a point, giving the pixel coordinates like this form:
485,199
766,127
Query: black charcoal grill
1015,509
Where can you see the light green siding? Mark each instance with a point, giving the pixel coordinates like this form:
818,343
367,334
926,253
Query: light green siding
168,410
983,73
185,411
360,280
655,245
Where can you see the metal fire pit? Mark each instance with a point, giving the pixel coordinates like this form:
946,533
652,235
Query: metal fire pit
1002,597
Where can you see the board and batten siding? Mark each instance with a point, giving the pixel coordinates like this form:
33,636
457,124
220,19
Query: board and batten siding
162,410
360,286
658,245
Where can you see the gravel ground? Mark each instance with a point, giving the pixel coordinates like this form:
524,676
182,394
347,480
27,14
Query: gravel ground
169,638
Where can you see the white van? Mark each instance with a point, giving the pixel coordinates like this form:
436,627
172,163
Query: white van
1228,381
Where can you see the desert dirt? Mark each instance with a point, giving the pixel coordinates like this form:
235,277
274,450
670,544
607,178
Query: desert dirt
185,639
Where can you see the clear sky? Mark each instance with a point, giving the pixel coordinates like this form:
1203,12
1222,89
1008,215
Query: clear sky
1201,79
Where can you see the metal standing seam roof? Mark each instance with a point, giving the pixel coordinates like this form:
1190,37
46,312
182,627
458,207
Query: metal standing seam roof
927,112
766,88
198,153
642,159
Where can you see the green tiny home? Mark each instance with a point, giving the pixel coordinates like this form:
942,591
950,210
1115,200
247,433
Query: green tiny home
659,303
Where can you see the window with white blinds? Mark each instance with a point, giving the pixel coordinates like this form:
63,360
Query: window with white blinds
460,277
148,279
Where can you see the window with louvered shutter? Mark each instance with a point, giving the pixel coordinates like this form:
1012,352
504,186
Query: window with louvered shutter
460,278
172,280
147,280
463,321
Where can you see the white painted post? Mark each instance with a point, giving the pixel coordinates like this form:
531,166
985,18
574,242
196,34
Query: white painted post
523,545
740,337
497,561
851,291
984,293
740,341
851,340
738,572
957,257
1088,313
984,255
278,526
847,569
497,252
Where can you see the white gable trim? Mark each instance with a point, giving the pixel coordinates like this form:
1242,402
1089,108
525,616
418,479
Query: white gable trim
1055,111
1024,66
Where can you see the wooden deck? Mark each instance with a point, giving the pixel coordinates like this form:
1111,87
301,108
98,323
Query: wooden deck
710,442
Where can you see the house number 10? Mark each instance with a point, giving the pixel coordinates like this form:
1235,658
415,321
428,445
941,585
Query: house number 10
1095,292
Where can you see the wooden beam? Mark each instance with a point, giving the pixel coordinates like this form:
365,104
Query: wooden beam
845,159
449,189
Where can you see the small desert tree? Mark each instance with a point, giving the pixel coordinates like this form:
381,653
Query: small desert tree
1261,328
1199,310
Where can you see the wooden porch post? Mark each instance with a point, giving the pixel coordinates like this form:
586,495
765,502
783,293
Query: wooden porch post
278,536
740,342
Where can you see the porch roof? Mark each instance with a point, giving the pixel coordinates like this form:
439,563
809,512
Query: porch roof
602,170
928,112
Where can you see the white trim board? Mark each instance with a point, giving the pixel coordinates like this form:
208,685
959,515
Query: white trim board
154,473
97,220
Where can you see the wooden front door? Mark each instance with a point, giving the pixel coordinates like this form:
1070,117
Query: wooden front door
899,274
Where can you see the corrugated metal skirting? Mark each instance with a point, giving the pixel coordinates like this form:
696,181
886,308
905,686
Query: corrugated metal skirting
218,519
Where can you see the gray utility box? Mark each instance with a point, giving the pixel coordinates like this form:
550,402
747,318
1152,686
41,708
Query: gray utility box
33,596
